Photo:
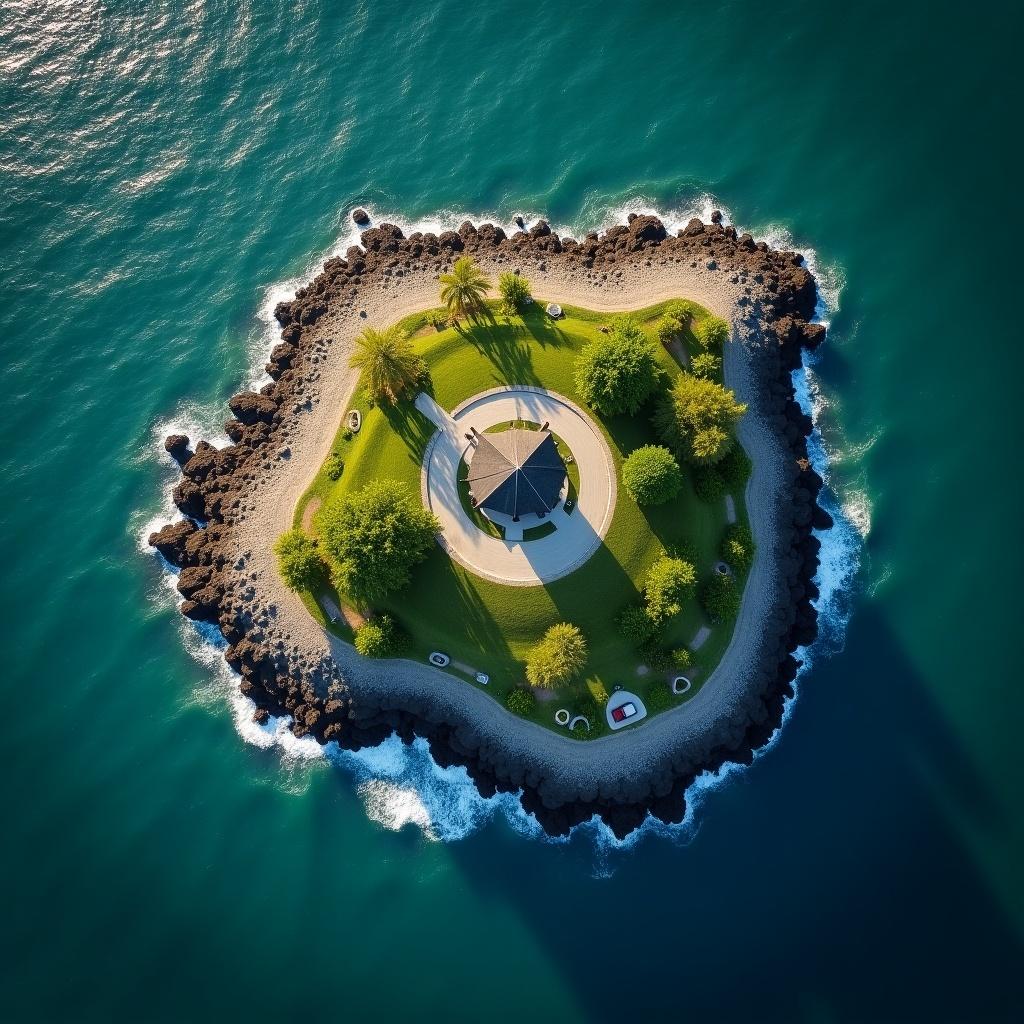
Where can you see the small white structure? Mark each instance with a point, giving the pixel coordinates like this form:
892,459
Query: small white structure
354,420
624,708
562,716
681,685
553,310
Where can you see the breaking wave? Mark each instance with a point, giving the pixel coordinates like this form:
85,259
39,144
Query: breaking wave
401,785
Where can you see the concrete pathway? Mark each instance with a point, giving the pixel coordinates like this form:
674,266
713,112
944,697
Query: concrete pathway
508,561
730,509
433,412
698,641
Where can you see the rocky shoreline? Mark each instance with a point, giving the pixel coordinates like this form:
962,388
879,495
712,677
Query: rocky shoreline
322,690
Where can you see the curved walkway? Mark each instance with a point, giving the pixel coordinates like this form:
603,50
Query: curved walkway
514,563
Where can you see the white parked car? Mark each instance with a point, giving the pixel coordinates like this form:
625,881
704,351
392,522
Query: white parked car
483,678
439,659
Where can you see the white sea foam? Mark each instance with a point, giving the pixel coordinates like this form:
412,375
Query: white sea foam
401,784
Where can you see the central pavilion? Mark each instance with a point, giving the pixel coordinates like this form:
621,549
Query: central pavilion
516,473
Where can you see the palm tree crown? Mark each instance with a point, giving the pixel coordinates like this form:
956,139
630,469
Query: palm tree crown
463,290
389,364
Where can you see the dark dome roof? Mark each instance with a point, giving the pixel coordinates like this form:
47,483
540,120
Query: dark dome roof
516,472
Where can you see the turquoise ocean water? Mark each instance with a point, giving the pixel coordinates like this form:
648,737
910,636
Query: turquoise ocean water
168,170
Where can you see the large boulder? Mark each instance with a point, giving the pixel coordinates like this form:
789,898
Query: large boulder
360,216
250,407
451,240
643,228
176,446
170,540
382,239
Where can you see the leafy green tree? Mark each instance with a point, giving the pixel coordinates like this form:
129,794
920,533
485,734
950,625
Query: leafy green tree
738,547
681,658
721,599
380,638
390,367
464,289
558,657
705,365
376,535
679,309
298,560
712,332
652,475
669,328
515,292
521,701
696,419
669,582
618,372
636,626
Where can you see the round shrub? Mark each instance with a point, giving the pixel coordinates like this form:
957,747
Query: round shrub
659,697
298,560
636,625
696,419
721,599
705,365
669,327
334,466
376,535
515,291
669,582
712,332
656,658
708,483
679,309
681,658
380,638
558,657
726,477
735,469
738,547
651,475
618,372
520,701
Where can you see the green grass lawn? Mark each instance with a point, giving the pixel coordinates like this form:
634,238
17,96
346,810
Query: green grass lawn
489,626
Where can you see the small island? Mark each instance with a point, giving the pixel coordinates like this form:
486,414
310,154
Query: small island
545,503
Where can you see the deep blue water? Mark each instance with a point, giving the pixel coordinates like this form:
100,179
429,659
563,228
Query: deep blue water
168,169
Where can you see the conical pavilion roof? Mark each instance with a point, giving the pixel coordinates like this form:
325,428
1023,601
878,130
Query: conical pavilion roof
516,472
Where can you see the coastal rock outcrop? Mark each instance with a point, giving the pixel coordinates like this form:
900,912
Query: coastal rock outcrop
176,445
777,298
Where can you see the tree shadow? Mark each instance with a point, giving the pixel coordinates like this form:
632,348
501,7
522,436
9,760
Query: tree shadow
410,425
834,837
440,591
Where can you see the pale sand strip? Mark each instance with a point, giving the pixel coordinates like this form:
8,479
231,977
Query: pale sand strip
595,768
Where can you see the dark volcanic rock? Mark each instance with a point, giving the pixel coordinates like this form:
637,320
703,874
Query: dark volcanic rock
250,407
170,540
177,447
360,216
645,229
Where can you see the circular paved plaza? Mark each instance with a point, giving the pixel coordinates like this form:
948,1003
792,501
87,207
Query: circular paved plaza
578,534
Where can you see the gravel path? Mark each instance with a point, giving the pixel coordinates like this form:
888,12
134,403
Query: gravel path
594,767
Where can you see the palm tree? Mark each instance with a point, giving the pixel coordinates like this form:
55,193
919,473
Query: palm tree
463,290
390,366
